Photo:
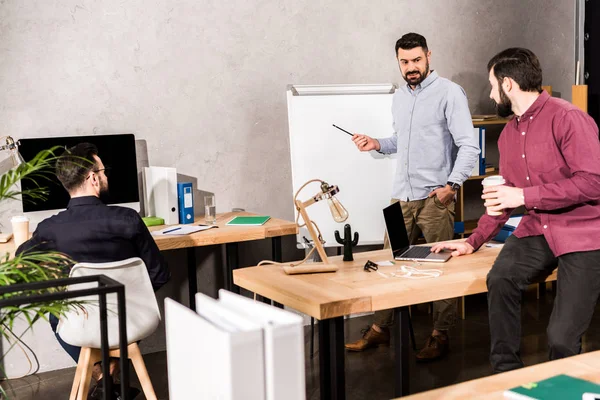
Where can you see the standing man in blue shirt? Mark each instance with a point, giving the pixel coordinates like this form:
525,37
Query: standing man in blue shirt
433,136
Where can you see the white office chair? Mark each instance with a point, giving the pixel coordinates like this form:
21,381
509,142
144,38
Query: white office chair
80,328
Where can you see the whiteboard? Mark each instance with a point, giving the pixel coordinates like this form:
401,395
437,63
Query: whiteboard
320,151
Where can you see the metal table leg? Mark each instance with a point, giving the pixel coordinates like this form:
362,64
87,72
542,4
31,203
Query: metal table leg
401,334
331,359
192,278
276,248
233,262
277,256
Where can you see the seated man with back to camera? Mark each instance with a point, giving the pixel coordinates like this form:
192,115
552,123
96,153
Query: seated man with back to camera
90,231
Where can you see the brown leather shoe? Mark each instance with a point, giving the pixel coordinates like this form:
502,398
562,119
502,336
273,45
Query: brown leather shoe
436,347
371,338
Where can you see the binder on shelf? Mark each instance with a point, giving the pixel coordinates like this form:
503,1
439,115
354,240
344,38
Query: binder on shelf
479,168
283,345
185,198
214,354
508,228
160,193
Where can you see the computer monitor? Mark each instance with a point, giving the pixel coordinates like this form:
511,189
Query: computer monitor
116,152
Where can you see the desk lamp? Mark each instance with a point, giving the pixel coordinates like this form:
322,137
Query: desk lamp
12,146
339,214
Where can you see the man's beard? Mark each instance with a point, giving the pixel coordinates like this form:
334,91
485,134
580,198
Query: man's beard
418,78
104,194
504,108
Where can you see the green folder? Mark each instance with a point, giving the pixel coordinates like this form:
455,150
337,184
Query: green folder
559,387
249,221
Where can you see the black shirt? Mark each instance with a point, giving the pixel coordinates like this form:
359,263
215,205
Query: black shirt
90,231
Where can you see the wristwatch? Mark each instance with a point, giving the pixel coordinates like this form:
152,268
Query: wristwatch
454,186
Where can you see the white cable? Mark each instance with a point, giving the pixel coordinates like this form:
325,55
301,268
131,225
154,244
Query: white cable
415,273
382,274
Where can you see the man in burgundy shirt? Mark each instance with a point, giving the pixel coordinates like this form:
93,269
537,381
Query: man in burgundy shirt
550,159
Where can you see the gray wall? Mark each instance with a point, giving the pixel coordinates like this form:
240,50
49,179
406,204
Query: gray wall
203,82
550,33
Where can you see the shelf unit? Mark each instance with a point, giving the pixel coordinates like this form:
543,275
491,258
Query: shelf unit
469,225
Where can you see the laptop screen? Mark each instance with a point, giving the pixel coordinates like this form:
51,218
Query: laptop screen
394,222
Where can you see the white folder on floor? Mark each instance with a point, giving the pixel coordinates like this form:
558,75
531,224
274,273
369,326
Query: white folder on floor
283,345
216,354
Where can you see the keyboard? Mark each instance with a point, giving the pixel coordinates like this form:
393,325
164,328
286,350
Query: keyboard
417,252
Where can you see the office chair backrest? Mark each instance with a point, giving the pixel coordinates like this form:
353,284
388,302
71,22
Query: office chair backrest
82,327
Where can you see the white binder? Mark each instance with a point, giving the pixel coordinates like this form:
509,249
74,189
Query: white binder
283,344
160,193
215,355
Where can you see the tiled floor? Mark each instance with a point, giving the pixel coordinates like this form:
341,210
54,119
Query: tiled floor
369,374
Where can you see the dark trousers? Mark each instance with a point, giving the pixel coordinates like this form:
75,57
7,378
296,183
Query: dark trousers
72,350
523,262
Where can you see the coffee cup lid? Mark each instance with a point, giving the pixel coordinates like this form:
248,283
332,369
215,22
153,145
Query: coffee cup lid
493,180
19,218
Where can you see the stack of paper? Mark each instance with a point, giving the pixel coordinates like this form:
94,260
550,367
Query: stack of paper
182,229
513,222
483,117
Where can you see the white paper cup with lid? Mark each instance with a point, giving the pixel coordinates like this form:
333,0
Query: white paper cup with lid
490,181
20,226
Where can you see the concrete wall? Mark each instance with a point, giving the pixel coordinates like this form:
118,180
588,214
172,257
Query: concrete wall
203,82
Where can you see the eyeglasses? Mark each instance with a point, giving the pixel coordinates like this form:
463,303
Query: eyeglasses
105,169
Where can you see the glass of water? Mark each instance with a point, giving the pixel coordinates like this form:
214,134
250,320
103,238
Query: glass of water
210,209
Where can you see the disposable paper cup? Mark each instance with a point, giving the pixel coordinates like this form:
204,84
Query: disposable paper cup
20,226
494,180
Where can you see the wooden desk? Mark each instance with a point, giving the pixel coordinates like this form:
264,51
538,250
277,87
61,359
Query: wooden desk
226,234
330,296
230,236
584,366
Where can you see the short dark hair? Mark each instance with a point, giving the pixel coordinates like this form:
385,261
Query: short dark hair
74,164
410,41
519,64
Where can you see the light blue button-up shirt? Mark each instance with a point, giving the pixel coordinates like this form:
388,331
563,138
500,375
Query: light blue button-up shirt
433,136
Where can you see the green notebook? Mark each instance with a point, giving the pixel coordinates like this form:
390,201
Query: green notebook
249,221
559,387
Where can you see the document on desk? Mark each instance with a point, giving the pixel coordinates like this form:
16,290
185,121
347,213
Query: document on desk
182,230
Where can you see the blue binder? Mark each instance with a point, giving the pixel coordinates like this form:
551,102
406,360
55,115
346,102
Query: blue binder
482,149
185,197
479,168
508,228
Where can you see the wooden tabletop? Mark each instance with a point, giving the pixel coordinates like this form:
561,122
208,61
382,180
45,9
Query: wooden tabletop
223,234
226,234
585,366
491,121
352,290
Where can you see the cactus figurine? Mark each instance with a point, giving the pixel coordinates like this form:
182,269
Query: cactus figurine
347,242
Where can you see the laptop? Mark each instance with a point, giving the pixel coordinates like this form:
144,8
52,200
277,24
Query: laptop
401,248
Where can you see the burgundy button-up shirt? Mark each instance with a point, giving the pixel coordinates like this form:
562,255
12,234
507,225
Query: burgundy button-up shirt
552,151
